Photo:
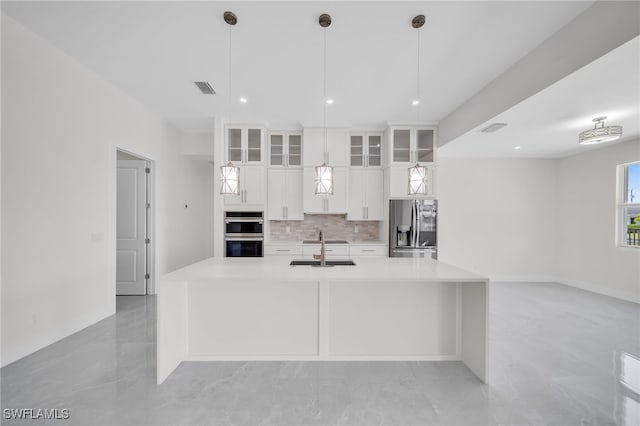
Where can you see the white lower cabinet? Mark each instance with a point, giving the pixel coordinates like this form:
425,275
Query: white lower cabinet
399,182
366,195
284,194
368,250
278,249
331,250
252,188
326,204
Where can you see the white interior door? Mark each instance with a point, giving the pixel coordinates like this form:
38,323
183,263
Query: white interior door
131,228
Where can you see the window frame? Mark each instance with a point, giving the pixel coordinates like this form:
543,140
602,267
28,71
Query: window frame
622,205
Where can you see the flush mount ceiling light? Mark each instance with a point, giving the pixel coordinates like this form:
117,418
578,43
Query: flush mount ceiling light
600,133
243,100
230,174
324,173
329,101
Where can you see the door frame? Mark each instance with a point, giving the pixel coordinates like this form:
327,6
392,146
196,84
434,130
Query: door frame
151,218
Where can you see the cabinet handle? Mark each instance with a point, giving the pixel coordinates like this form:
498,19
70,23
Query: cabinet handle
287,250
366,209
368,250
364,215
286,212
366,161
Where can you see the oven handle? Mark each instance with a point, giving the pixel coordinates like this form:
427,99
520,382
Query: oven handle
244,239
232,236
244,220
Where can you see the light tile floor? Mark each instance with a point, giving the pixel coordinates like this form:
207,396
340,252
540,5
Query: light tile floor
555,361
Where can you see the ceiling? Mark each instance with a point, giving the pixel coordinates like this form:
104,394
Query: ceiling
156,50
547,124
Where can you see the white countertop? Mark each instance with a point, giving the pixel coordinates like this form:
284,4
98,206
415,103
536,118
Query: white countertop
367,269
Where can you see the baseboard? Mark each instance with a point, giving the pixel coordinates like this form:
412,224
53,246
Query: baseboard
595,288
524,278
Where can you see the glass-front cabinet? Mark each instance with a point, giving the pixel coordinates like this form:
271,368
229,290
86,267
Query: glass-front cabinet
285,149
245,145
410,145
365,150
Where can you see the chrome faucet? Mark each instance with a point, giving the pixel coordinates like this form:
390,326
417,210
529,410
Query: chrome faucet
322,255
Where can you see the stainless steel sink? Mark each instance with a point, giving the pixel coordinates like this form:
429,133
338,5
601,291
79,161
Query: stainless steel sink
305,262
326,242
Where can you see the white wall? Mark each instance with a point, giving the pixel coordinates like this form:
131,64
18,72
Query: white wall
496,217
61,126
586,253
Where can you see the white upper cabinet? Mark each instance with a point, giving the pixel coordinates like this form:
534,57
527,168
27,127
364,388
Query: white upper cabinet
284,194
326,204
285,149
410,145
245,145
336,152
365,194
365,150
252,188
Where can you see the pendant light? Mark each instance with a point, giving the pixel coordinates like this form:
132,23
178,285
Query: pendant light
229,174
417,174
324,173
600,133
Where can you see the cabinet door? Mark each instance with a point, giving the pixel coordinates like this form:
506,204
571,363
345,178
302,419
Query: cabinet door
276,149
313,154
234,145
276,194
292,184
356,203
337,147
294,150
338,201
357,150
401,146
374,151
425,145
399,183
253,183
373,190
254,146
312,203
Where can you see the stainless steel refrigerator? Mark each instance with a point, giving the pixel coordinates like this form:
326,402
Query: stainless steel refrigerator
413,228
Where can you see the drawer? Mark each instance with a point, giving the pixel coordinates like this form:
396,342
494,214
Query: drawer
368,250
282,250
330,249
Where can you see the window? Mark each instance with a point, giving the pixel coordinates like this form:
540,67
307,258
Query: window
629,205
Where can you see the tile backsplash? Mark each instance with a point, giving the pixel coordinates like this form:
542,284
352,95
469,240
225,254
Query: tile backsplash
335,226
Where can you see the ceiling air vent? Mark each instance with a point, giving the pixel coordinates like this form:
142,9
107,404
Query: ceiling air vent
205,88
493,127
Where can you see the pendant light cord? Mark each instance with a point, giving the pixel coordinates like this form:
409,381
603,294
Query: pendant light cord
418,80
229,72
324,88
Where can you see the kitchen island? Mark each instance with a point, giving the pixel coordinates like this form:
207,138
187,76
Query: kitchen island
381,309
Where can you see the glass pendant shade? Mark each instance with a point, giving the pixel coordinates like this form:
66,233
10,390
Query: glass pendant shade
417,180
230,179
600,133
324,180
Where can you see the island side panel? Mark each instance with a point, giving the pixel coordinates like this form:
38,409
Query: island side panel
475,327
171,327
393,320
246,319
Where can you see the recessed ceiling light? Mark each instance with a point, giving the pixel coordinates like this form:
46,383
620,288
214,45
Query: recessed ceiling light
329,101
517,147
415,102
243,100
